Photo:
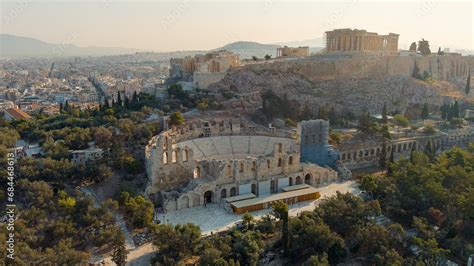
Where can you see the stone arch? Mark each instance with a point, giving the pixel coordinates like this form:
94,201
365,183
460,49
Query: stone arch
183,203
197,172
165,157
290,160
280,147
229,170
290,181
298,180
254,189
272,186
268,163
307,179
208,196
165,143
279,162
185,155
241,167
174,156
233,192
223,193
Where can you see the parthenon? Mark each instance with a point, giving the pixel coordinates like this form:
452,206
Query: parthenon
360,40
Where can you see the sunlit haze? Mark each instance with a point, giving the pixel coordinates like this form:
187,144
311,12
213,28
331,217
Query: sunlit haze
192,25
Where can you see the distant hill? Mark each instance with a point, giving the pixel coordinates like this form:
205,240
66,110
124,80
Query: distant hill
316,42
16,46
315,45
248,49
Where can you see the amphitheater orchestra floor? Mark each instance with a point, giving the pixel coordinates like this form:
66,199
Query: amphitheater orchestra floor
213,218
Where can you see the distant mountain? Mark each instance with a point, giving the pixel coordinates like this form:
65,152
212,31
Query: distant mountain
316,42
248,49
16,46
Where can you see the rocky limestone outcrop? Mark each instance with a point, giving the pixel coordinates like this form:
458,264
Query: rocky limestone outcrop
358,92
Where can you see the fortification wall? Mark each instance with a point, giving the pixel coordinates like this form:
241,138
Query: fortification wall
327,67
203,80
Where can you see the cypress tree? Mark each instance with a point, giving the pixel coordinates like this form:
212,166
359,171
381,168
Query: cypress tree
413,149
468,83
383,157
424,112
455,109
66,106
119,99
127,102
429,150
135,97
450,111
106,103
384,114
444,112
416,71
391,162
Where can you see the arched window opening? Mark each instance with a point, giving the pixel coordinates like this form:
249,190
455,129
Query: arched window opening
185,155
298,180
197,172
254,189
174,156
233,192
229,170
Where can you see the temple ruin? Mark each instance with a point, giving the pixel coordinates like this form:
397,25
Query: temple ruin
354,40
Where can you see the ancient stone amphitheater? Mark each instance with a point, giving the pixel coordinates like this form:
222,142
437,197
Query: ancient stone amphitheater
205,162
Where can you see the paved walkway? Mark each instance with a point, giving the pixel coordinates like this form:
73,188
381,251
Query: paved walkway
129,244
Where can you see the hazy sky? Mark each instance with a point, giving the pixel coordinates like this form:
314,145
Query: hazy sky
190,24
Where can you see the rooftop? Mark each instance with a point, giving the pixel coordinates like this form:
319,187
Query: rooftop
274,197
18,114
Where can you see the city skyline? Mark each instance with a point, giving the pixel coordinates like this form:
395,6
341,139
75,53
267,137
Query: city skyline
202,25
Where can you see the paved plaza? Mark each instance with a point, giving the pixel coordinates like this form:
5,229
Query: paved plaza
213,218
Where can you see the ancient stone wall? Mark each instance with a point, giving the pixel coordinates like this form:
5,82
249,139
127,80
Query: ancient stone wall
170,164
202,80
206,161
327,67
367,153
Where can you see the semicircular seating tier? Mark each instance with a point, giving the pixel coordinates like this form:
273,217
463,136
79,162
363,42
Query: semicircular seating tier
234,147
